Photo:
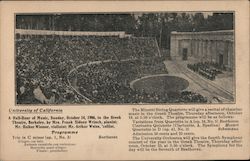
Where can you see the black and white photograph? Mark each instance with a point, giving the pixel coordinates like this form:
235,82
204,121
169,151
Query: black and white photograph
125,58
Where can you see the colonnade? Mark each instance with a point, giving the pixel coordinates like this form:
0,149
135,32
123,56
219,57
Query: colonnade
211,50
217,47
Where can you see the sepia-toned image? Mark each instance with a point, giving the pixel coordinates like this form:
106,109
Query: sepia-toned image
124,80
125,58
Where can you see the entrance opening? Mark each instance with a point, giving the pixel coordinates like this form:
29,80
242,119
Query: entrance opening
220,59
184,54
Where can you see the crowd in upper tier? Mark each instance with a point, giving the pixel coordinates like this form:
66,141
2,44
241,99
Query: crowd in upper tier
43,65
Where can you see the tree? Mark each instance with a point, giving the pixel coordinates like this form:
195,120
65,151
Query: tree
158,25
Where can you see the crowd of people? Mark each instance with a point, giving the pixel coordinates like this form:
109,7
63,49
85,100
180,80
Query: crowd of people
43,63
206,69
109,83
193,97
43,66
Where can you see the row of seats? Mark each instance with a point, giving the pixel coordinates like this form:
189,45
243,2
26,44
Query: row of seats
43,63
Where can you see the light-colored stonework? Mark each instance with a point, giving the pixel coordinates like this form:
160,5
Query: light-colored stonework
214,46
24,32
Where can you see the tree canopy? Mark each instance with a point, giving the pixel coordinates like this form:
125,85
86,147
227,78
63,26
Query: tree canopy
158,25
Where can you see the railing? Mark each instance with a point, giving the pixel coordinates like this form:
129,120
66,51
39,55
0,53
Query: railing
120,34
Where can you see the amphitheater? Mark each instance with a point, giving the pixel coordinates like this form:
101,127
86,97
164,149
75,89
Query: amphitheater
71,67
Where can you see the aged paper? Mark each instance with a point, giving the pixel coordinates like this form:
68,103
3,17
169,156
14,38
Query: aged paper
124,80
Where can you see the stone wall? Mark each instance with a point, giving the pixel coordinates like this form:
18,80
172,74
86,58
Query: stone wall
121,34
215,46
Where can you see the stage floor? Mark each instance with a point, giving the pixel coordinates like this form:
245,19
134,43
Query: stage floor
222,87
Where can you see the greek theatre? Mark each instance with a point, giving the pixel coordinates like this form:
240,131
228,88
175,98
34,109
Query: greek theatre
210,46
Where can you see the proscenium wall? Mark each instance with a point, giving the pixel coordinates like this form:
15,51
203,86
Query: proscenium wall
214,46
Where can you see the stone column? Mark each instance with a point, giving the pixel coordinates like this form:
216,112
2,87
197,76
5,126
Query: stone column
203,50
213,50
200,49
229,63
209,50
196,48
216,51
233,60
225,54
192,47
231,55
179,47
173,45
206,50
